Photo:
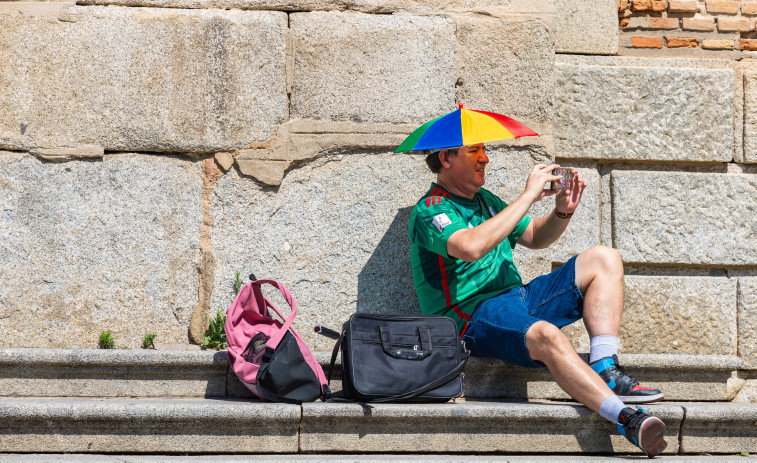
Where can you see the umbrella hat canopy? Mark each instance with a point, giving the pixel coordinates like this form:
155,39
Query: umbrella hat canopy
463,127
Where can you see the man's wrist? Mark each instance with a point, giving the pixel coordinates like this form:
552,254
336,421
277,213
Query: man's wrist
563,215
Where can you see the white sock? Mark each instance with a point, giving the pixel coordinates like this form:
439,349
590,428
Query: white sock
603,346
611,407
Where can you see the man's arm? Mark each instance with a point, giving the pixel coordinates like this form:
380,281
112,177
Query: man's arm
544,231
472,244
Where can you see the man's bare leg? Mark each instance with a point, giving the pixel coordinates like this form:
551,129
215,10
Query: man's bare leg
547,344
599,276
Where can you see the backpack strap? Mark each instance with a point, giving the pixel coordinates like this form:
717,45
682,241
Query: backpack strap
274,341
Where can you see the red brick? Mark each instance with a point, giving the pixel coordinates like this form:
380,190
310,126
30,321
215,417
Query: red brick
749,8
663,23
682,42
683,6
722,6
622,5
648,5
734,24
748,44
699,24
646,42
624,22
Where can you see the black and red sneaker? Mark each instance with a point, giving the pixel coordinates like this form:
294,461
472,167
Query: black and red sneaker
627,388
643,430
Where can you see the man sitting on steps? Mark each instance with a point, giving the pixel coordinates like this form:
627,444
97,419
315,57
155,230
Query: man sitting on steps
462,239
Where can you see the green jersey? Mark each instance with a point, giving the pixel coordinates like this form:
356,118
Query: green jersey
449,286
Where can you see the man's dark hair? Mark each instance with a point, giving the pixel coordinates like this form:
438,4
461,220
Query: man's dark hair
433,162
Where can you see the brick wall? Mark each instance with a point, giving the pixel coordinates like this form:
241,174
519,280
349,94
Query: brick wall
724,27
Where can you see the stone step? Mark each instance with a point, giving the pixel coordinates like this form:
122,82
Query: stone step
194,373
202,426
356,458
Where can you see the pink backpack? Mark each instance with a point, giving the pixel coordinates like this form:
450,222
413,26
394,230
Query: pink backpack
269,357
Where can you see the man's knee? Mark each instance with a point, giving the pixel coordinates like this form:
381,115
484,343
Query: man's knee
607,259
545,341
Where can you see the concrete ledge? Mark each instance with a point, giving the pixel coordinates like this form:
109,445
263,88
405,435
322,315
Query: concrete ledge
720,428
147,426
186,373
112,373
680,377
467,426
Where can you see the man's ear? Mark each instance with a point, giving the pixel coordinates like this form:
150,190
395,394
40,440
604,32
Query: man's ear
443,157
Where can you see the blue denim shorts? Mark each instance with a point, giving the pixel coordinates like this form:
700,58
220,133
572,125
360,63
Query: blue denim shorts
497,328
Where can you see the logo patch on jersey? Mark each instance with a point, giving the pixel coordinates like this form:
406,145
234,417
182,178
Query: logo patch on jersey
441,221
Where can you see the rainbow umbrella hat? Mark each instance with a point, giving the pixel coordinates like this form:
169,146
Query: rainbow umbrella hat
463,127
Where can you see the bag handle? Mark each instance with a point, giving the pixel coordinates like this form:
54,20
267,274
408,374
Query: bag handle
418,351
275,339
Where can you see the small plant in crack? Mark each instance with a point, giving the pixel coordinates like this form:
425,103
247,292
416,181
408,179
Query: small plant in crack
147,341
106,340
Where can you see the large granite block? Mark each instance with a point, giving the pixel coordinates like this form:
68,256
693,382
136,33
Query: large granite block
372,68
506,66
469,427
685,218
154,426
719,428
335,233
679,377
643,109
136,79
588,27
112,373
748,321
674,315
544,8
750,112
92,246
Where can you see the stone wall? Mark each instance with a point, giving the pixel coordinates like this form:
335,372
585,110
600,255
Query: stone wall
151,149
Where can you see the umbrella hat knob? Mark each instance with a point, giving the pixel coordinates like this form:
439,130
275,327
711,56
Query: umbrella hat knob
460,105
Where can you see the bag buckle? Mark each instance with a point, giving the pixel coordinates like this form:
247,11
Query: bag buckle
268,355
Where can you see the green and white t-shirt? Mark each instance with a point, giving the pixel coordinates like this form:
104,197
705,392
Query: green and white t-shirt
449,286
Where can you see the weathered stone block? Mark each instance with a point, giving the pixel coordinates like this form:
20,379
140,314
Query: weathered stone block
679,377
372,68
684,226
335,233
543,8
748,321
469,427
636,109
589,27
112,373
147,426
90,246
688,315
142,79
506,66
750,113
719,428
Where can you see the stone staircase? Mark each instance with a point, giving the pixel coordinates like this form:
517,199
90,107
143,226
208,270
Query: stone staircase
189,402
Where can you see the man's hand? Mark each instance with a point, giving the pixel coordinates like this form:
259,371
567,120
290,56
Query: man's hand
540,175
567,201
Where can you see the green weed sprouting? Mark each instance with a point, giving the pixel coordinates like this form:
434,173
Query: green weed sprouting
106,340
215,336
237,283
147,341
